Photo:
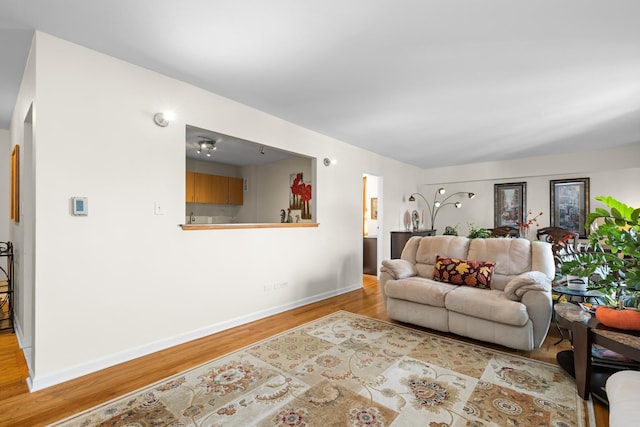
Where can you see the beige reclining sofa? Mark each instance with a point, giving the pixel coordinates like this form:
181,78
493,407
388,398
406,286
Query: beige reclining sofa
514,309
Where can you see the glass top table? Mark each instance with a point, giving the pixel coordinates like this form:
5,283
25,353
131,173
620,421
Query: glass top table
564,290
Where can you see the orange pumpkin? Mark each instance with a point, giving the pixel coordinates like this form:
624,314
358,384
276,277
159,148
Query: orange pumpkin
620,319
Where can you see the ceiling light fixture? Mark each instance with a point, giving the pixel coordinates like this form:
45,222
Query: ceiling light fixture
206,146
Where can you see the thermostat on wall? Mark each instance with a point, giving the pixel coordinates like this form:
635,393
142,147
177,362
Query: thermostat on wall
80,206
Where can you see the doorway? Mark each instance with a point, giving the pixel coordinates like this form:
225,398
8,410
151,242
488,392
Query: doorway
23,234
371,223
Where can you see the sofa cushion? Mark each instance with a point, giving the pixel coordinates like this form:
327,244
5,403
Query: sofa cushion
449,246
487,304
463,272
512,256
418,289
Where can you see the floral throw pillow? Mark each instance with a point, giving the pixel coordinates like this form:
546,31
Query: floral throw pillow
464,272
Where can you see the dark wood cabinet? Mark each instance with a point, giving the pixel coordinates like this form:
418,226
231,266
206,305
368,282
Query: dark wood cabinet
399,239
626,343
370,255
579,362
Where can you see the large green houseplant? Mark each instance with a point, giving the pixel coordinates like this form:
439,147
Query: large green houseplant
612,256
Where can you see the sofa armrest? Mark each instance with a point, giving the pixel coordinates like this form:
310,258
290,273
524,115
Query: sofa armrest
533,289
527,282
540,310
398,268
394,269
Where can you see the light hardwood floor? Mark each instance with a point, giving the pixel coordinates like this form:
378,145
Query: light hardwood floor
18,407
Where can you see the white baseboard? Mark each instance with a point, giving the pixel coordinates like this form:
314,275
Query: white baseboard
23,342
43,381
25,346
18,330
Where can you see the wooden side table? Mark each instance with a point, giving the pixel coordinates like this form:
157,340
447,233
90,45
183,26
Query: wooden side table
586,331
567,310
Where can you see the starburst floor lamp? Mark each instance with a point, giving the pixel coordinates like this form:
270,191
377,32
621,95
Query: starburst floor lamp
435,207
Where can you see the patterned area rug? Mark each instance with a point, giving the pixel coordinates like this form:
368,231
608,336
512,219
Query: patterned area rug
349,370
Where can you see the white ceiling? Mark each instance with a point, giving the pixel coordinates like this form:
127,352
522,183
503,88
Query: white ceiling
409,79
231,150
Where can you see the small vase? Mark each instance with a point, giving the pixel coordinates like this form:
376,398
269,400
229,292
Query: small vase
577,283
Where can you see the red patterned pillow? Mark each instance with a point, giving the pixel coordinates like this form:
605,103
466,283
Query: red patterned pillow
464,272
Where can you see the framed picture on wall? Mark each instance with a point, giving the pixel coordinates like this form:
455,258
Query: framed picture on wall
570,204
509,203
15,184
374,208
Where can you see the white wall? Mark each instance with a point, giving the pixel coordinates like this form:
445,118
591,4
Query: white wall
269,188
202,166
5,184
22,232
612,172
123,282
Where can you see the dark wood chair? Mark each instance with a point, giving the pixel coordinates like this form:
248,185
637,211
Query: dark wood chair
505,231
560,239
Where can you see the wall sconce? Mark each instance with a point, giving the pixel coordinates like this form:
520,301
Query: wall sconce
435,207
329,162
163,119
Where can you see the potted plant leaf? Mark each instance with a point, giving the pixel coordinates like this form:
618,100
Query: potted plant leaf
477,232
611,259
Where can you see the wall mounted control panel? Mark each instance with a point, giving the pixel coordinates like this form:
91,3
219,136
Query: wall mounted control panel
79,206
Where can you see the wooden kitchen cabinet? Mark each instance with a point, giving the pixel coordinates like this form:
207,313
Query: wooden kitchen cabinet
214,189
191,187
203,188
236,186
219,189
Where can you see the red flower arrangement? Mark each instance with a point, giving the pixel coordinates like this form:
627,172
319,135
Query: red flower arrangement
299,188
529,222
302,194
